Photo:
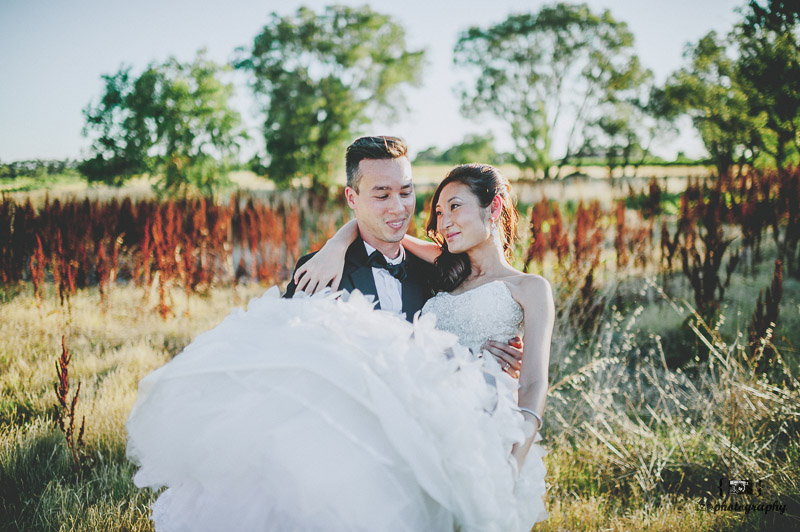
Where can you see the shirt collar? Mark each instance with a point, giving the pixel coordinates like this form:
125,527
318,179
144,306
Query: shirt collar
396,260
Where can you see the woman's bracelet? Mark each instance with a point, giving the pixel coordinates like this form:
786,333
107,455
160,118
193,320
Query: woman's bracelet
534,414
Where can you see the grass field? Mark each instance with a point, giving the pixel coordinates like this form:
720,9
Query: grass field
627,451
634,444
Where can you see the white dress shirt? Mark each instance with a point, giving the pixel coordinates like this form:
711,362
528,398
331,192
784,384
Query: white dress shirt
390,290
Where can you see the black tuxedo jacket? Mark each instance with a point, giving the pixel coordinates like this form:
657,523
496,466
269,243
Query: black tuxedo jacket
358,275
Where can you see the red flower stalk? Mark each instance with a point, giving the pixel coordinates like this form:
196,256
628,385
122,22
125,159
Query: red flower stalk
292,236
619,239
668,245
65,409
102,269
541,217
37,263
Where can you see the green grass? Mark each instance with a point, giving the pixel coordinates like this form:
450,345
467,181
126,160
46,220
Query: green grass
39,182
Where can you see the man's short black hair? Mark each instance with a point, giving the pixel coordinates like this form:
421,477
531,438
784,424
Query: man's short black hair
382,147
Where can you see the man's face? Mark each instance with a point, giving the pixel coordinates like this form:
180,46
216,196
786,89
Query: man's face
385,202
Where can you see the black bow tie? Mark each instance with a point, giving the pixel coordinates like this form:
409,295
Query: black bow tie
377,260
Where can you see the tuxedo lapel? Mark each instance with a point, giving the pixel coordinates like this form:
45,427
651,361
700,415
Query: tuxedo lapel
413,297
357,275
416,287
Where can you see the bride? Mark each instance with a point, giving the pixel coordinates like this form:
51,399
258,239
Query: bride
322,413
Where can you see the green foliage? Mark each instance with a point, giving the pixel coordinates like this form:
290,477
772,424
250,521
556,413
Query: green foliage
768,71
741,91
319,77
669,202
708,91
534,70
620,136
474,148
173,121
37,168
628,124
41,180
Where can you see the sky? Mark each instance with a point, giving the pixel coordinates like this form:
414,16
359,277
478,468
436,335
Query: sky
53,54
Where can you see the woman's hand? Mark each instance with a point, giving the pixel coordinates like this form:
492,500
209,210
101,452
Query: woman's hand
323,269
326,266
508,355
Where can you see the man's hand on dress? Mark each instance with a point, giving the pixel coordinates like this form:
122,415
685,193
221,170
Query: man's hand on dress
508,355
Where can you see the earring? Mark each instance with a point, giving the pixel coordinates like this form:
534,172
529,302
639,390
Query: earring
496,235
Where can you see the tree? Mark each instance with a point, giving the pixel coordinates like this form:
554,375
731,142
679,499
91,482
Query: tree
535,70
768,71
474,148
627,124
620,138
320,78
708,91
173,121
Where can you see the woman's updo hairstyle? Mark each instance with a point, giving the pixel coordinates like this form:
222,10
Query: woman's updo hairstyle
485,182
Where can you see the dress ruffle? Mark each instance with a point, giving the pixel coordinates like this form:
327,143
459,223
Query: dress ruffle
311,414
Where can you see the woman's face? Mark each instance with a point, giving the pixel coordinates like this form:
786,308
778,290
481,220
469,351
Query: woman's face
460,220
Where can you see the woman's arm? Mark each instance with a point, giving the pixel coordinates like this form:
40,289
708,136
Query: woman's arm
327,265
427,251
536,299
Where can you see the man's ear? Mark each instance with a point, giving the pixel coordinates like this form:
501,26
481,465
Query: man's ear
350,195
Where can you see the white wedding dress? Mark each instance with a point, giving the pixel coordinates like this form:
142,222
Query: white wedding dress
318,414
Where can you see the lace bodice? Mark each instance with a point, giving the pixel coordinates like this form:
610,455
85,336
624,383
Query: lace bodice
486,312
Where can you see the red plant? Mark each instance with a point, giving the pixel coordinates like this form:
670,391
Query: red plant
668,246
37,264
541,215
652,205
325,228
702,254
112,274
292,236
163,232
588,237
65,409
559,241
187,241
641,242
619,239
102,269
144,263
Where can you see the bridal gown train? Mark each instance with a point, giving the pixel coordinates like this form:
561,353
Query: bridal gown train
319,414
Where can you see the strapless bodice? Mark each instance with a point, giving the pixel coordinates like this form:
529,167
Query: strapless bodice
486,312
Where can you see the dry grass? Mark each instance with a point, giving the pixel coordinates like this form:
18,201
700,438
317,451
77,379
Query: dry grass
112,351
634,445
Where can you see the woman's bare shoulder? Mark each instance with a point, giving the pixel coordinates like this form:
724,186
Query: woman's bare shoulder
529,288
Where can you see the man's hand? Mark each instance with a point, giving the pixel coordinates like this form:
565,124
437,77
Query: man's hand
509,355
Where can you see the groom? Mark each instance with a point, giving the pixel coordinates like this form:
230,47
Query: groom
381,194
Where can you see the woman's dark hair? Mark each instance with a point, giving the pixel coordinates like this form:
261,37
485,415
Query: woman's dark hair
486,182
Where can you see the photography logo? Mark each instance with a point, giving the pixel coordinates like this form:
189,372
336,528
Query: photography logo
741,495
739,487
